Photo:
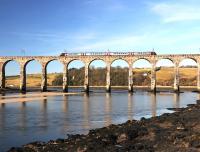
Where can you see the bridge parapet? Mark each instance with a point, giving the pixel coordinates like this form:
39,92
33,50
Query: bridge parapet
175,58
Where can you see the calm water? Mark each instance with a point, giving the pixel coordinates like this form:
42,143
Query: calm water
56,116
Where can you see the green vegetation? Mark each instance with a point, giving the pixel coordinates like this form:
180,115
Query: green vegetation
97,77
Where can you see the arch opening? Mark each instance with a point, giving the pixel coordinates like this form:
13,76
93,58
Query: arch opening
76,74
12,74
97,73
165,72
119,73
54,75
188,72
141,72
33,75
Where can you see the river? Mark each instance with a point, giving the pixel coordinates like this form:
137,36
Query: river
56,116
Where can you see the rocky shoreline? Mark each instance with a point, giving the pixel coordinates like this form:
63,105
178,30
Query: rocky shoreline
178,131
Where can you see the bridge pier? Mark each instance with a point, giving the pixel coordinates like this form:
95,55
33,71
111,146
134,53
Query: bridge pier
44,78
176,78
2,75
22,78
65,85
108,87
153,78
86,81
130,79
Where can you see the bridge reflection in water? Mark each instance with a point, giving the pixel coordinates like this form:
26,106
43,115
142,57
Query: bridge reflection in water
108,58
55,116
88,116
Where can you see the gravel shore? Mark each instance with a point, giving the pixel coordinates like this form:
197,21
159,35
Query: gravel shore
178,131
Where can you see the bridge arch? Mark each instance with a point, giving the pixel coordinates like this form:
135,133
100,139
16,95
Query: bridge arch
164,62
165,59
33,72
76,73
75,60
10,60
119,72
141,59
141,72
11,73
52,60
97,72
192,61
165,72
120,58
54,70
96,59
188,71
30,60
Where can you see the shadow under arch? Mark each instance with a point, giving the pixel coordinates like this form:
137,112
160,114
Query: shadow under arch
97,72
188,71
165,72
54,73
33,78
119,73
76,73
142,72
10,78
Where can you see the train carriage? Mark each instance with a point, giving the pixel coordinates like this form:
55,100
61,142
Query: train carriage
108,53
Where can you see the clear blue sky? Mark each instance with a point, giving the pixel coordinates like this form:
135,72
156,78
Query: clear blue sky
47,27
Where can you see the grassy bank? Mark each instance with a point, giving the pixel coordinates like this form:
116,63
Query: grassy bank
164,76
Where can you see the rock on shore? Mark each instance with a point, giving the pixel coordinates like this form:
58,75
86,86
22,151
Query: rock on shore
175,132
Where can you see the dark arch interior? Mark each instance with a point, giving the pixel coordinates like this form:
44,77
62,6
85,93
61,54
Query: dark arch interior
97,73
141,73
119,73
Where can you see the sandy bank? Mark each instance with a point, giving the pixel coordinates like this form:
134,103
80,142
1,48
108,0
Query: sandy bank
31,96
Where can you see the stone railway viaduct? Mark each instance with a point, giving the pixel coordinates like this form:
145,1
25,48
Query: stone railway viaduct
130,58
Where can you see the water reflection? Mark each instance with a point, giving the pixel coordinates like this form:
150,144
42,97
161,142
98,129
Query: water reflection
64,107
22,119
176,103
153,104
44,104
198,96
2,95
2,117
108,109
86,108
65,104
54,117
130,106
43,122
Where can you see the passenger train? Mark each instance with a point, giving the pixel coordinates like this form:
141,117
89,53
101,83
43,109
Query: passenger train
107,53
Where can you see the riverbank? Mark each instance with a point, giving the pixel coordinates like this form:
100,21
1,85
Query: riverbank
178,131
33,96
